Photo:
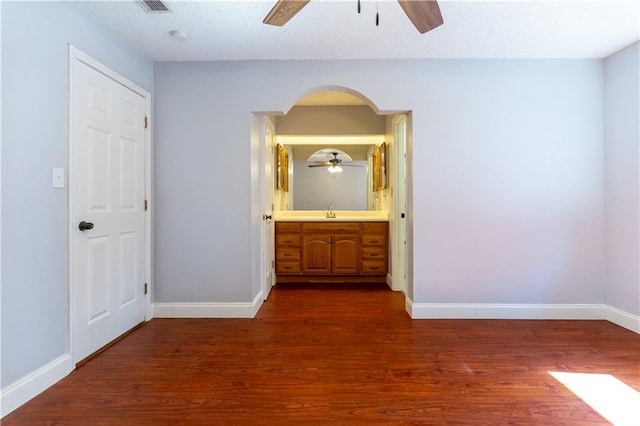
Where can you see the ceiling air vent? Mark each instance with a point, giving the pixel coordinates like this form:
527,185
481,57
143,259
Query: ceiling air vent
154,6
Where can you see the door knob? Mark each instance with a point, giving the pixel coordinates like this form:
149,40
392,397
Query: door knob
84,226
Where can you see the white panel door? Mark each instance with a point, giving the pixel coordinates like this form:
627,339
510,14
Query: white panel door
268,184
108,191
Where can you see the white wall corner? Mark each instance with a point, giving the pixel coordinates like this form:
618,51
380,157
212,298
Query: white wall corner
28,387
208,310
622,318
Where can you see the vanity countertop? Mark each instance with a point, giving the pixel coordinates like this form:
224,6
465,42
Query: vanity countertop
321,216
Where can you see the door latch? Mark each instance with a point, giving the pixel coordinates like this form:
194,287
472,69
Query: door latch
85,226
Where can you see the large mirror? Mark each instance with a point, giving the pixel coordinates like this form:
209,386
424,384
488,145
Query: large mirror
317,181
341,121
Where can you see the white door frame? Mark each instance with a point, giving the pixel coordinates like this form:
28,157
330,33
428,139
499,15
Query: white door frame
399,262
76,56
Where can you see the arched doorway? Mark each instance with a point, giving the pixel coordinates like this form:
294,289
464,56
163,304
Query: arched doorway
304,124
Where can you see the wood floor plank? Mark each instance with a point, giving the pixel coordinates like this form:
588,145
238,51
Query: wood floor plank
337,354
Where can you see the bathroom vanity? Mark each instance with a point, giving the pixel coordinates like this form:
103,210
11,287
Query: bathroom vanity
331,250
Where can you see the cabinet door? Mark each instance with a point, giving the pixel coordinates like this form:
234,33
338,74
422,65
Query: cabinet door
345,254
316,254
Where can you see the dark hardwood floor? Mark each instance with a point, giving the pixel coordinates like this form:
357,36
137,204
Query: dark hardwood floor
339,355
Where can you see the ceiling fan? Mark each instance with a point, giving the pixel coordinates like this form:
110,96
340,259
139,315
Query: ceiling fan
334,164
424,14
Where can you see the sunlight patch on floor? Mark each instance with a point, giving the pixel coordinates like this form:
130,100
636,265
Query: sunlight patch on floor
613,399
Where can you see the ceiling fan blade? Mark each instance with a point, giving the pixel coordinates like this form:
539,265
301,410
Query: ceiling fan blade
320,165
283,11
424,14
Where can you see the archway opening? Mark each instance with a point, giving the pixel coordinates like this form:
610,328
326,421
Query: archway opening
344,119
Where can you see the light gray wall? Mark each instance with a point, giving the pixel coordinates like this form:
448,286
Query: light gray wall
622,136
507,173
507,183
35,298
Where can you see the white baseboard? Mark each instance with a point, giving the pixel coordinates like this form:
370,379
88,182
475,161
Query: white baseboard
208,310
623,318
504,311
28,387
522,311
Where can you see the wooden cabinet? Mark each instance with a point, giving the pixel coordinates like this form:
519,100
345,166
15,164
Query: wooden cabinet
287,248
331,251
374,248
324,254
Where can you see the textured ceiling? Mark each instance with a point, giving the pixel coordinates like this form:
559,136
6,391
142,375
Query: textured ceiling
324,29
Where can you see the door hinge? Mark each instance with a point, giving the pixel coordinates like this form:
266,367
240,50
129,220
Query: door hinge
146,122
146,205
146,288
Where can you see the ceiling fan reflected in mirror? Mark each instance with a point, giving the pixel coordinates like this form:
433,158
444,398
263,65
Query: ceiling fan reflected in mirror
334,164
424,14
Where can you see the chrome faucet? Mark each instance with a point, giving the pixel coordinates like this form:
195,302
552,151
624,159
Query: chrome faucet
331,214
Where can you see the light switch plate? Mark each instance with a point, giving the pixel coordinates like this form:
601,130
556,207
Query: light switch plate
57,177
